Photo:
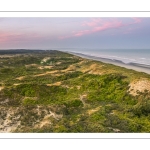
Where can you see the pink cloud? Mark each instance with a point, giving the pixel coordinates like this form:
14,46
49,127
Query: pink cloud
98,28
93,22
97,25
137,20
6,37
80,33
108,25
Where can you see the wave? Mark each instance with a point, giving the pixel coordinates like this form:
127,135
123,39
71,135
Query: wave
139,61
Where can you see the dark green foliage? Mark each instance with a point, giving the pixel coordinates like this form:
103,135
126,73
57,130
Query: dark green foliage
74,103
26,90
142,108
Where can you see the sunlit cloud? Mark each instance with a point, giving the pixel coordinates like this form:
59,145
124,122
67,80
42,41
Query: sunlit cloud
19,37
98,25
93,22
137,20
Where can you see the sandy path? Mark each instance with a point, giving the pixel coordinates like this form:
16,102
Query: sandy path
46,73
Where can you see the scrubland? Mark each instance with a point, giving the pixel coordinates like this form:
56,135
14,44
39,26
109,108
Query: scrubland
53,91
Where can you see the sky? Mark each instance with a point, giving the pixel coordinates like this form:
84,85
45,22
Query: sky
75,32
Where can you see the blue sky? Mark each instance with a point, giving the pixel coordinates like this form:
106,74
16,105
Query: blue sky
75,32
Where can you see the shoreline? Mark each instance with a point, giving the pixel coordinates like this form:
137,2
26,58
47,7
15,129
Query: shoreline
133,66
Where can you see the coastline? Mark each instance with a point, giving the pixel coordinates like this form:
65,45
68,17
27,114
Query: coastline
133,66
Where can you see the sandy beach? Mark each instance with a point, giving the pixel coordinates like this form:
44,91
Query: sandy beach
133,66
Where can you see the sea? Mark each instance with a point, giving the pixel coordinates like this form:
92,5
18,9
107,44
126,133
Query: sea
126,56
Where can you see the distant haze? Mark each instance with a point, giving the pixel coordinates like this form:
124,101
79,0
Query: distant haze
50,33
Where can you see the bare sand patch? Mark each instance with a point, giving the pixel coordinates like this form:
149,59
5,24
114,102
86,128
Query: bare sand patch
46,120
1,87
31,65
83,99
78,87
141,85
46,73
45,67
56,84
66,86
44,60
70,68
91,111
93,69
4,101
7,124
58,63
20,78
16,84
81,62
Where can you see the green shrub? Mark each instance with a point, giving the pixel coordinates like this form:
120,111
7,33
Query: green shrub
74,103
142,108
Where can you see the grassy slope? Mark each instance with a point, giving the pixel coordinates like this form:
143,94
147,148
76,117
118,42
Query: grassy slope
67,93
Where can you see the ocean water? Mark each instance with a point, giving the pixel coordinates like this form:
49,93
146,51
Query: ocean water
127,56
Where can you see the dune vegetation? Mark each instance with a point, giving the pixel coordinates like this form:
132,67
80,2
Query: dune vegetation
52,91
